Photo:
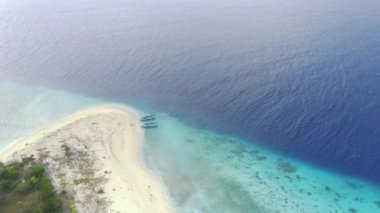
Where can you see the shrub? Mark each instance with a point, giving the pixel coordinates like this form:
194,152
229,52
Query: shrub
35,195
33,181
5,184
37,170
73,209
2,168
53,204
11,172
36,209
22,187
46,187
100,191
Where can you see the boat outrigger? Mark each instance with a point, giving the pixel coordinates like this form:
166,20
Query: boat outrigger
148,118
150,125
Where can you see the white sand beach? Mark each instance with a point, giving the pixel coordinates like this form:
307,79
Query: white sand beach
94,156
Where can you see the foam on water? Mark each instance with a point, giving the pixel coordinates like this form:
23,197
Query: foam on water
208,172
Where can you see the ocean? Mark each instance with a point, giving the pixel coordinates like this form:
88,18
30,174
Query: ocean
258,100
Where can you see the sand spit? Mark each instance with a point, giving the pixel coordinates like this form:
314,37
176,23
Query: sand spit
94,156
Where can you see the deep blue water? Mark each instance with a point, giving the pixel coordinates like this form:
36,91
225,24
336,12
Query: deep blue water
300,77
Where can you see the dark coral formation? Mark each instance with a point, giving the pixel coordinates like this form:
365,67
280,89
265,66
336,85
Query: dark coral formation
352,210
261,157
327,188
286,167
377,203
354,186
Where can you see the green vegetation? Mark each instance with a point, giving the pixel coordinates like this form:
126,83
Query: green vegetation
25,187
73,209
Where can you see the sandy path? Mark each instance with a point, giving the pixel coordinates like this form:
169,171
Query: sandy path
95,155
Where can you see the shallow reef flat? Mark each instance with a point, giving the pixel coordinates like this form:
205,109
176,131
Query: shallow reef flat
212,172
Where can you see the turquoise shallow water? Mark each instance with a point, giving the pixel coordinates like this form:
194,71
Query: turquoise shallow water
210,172
24,109
203,171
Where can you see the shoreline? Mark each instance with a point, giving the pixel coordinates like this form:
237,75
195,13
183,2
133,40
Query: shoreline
103,144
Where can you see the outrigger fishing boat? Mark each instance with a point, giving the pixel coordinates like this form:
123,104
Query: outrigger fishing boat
148,118
150,125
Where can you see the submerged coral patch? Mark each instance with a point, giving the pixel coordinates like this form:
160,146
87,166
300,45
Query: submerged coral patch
221,174
286,166
354,186
261,157
377,203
